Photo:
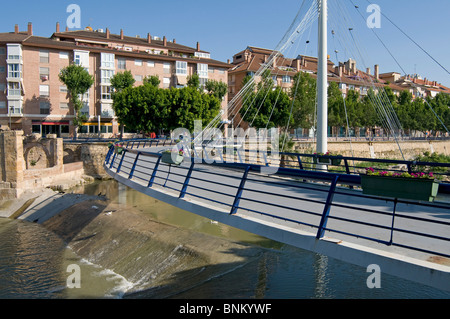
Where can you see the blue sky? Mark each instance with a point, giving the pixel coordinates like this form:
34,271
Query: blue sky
226,27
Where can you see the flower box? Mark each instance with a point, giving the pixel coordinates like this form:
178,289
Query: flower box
118,149
172,158
328,160
423,189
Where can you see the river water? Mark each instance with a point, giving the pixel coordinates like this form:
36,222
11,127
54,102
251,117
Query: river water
34,264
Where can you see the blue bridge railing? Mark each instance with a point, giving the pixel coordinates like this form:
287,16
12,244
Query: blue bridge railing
323,202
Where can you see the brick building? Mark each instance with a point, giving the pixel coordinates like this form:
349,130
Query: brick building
32,97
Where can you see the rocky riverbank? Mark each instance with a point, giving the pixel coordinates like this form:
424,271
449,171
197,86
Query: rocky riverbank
159,260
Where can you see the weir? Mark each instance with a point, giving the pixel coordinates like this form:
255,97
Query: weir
321,212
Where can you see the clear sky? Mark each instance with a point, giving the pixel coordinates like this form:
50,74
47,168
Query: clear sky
227,27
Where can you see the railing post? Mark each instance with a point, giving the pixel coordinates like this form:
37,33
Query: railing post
155,169
300,164
347,168
134,166
186,181
326,209
237,198
112,162
392,225
121,160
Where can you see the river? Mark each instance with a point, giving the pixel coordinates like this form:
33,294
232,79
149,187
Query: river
34,264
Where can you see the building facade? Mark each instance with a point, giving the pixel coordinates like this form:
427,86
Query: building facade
33,99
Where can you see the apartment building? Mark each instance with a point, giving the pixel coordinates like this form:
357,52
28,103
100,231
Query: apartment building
33,99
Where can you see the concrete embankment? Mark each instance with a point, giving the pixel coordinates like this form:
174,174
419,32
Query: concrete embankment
160,260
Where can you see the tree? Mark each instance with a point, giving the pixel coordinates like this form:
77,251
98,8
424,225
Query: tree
336,110
78,81
216,88
144,108
119,82
268,107
152,80
122,80
189,104
303,93
193,81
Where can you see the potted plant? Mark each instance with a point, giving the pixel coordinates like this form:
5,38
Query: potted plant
172,157
328,158
416,186
118,149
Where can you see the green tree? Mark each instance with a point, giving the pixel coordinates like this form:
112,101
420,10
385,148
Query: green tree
152,80
78,81
193,81
119,82
267,107
336,110
216,88
144,108
122,80
189,104
303,93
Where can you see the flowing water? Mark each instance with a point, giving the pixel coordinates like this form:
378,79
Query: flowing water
34,264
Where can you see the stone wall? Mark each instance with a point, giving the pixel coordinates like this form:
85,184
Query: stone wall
29,163
91,154
380,150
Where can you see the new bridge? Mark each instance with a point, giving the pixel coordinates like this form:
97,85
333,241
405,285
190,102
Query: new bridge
319,211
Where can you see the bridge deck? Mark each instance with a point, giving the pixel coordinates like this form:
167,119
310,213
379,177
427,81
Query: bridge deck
347,225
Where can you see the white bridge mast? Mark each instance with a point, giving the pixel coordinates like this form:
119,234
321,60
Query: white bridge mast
322,81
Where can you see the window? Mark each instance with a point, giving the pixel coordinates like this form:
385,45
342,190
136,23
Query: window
2,87
151,64
81,58
107,60
44,73
274,79
64,55
181,68
63,105
166,83
15,107
43,56
202,70
202,55
43,90
44,107
13,57
77,59
2,104
14,89
2,69
14,70
106,76
2,51
121,64
63,89
138,78
286,79
138,62
106,92
166,67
